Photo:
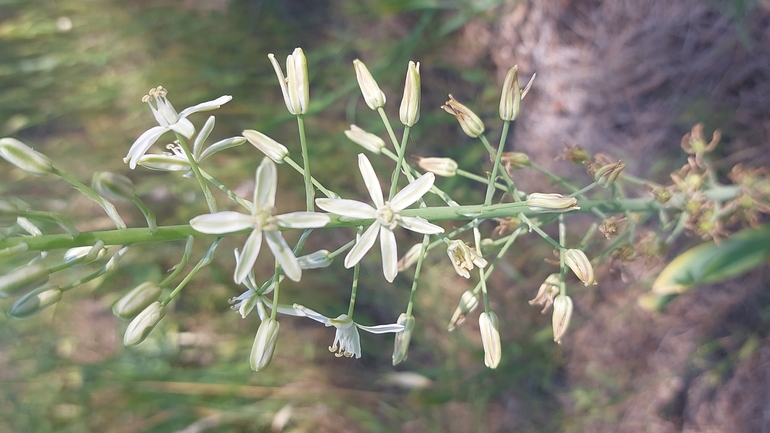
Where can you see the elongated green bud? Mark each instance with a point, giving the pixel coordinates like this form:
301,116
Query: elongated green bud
403,337
540,202
24,157
22,280
510,100
143,324
409,113
273,149
580,265
468,303
318,259
562,313
35,301
264,344
372,94
113,186
490,339
446,167
81,256
367,140
8,213
133,302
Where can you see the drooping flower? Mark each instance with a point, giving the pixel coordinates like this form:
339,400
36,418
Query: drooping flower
246,301
464,258
168,120
347,342
262,222
386,217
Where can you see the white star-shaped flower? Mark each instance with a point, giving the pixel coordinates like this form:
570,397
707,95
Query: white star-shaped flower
386,215
168,120
347,342
262,222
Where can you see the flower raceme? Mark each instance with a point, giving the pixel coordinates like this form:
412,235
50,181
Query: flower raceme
386,217
263,223
168,120
347,342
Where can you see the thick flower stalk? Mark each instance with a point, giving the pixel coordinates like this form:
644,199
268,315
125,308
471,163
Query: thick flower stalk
262,222
386,217
168,120
347,342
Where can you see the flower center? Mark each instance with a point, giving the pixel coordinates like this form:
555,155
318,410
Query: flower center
387,216
264,220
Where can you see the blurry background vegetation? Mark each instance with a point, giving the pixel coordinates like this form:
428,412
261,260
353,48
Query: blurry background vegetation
72,73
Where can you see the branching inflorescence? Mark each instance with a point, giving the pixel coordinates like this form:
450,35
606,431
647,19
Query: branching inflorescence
695,201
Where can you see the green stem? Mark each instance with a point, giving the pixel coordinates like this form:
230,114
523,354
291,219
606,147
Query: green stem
276,292
496,167
230,194
290,162
60,220
542,234
204,261
148,215
212,204
309,191
417,270
389,128
179,267
397,169
354,290
88,192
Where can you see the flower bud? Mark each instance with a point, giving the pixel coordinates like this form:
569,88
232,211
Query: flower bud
8,213
35,301
113,186
136,300
446,167
273,149
24,157
368,141
469,121
403,337
608,173
372,94
510,101
464,258
85,255
490,339
547,292
410,258
164,162
143,324
580,265
515,160
562,313
539,202
22,280
468,303
295,87
409,113
264,344
318,259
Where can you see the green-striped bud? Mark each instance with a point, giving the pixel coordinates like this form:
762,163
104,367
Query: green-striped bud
143,324
607,174
318,259
8,213
81,256
367,140
490,339
136,300
35,301
403,337
372,94
510,101
562,313
515,160
273,149
295,87
469,121
264,344
22,280
113,186
539,202
24,157
580,265
446,167
409,113
468,303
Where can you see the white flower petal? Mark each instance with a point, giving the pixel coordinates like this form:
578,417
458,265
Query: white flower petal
283,254
163,162
221,145
143,144
419,225
370,179
248,256
302,220
184,127
412,192
203,134
222,222
389,254
345,207
281,80
311,314
206,106
265,183
362,246
382,329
